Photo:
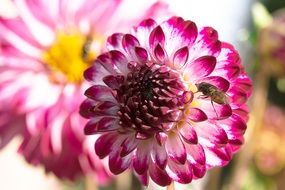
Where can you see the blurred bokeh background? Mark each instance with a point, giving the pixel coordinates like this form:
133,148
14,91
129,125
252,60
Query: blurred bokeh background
257,29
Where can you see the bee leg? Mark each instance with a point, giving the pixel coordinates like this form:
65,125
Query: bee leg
214,109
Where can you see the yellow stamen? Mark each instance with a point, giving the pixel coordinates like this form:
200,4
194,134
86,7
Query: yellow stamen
69,56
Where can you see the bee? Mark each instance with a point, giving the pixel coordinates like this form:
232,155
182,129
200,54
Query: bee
216,95
86,48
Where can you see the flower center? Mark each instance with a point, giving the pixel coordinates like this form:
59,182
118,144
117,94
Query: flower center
68,57
152,99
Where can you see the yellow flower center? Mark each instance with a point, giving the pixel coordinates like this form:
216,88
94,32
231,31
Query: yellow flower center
69,56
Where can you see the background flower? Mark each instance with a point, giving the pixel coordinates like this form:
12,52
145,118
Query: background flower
154,101
271,44
44,50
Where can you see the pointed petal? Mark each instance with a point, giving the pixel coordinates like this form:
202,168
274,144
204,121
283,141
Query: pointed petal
156,37
118,164
180,173
210,134
128,146
199,68
219,82
142,157
159,54
104,144
180,57
104,124
195,154
100,93
188,133
159,156
175,148
195,114
159,176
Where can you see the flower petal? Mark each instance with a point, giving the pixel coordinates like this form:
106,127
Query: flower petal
199,68
210,134
156,37
100,93
188,133
159,176
159,155
180,173
104,144
142,157
119,164
195,114
175,148
180,57
219,82
105,124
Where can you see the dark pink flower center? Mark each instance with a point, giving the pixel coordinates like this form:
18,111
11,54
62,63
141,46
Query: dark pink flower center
152,99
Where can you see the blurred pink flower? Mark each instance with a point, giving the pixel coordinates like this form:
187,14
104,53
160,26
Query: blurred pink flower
271,44
269,153
44,51
169,101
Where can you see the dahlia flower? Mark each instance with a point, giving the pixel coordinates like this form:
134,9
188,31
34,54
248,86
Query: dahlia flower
168,100
269,153
271,44
44,51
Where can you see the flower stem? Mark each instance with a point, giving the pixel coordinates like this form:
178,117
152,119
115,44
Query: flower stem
171,186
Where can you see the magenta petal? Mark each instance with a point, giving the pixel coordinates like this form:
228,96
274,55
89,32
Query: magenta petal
141,54
200,67
106,61
114,82
142,157
237,96
160,137
219,82
211,134
244,83
128,146
129,42
96,73
159,155
180,57
119,60
100,93
143,178
159,54
175,148
118,164
233,125
188,134
195,153
214,110
197,115
104,144
156,37
114,42
180,173
159,176
218,156
90,108
208,41
190,32
199,170
103,125
143,30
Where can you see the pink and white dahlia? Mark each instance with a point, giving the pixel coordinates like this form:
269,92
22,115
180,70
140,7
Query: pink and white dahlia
168,101
44,51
